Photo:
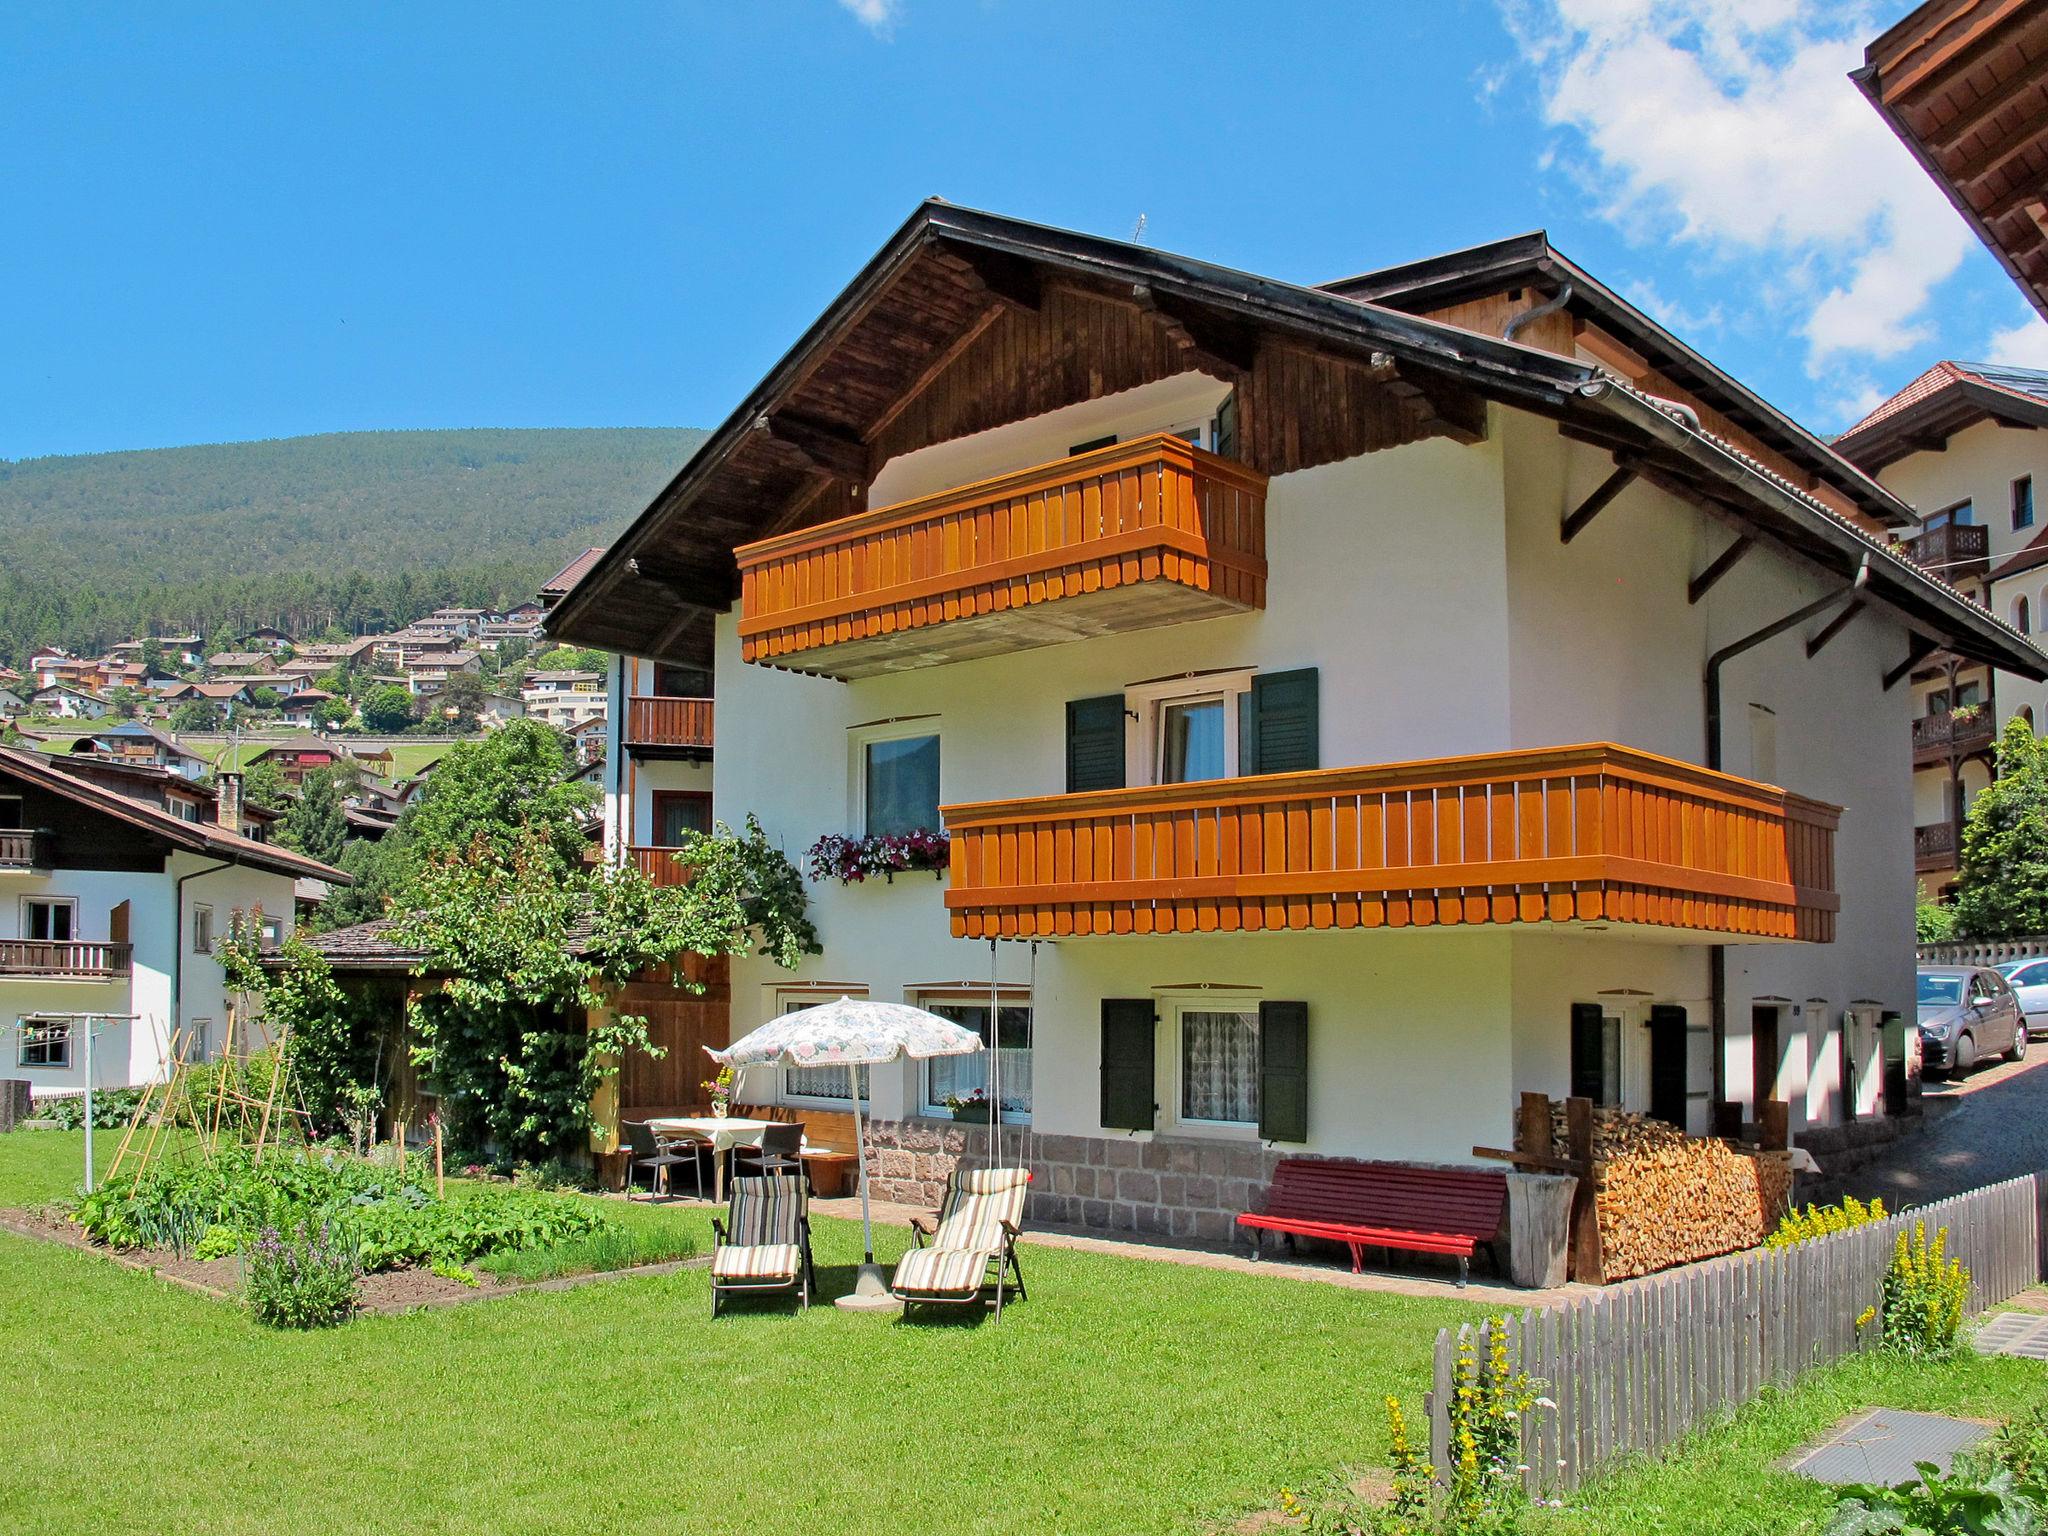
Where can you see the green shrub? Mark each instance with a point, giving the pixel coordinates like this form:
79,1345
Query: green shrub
302,1276
1969,1501
1925,1292
112,1109
393,1234
1824,1221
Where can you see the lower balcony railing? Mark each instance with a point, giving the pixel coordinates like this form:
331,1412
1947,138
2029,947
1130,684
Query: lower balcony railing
1595,833
659,865
60,960
654,721
1934,845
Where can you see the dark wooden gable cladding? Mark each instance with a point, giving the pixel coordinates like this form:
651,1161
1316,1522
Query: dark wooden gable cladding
956,340
84,838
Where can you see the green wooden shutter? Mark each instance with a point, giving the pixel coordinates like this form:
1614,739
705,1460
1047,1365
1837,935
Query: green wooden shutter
1095,743
1280,725
1588,1042
1283,1071
1667,1064
1128,1025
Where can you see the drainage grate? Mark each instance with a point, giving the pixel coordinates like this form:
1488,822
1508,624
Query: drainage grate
1883,1445
2014,1333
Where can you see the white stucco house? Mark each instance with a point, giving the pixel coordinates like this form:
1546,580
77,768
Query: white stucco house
114,884
1344,716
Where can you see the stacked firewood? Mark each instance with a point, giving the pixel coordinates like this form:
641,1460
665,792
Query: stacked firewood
1665,1198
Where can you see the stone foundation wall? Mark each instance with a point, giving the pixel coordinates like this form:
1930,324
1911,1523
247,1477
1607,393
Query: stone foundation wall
1189,1187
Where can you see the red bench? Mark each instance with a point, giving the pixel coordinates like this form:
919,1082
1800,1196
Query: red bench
1381,1205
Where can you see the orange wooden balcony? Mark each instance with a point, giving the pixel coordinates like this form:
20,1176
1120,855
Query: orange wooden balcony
1149,532
662,723
1586,834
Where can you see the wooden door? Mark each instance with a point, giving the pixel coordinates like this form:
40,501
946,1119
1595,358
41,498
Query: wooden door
1668,1065
1766,1057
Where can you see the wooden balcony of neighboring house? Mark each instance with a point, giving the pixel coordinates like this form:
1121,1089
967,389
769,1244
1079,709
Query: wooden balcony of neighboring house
1954,551
1952,733
659,865
1593,835
25,850
1934,847
658,726
48,960
1152,531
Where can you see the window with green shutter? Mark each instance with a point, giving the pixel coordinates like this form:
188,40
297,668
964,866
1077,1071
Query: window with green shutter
1128,1030
1596,1054
1280,725
1283,1071
1095,743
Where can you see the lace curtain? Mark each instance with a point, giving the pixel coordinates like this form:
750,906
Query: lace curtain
1219,1066
961,1075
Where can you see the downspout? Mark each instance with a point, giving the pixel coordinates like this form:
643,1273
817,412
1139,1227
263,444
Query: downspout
1536,312
1717,954
178,940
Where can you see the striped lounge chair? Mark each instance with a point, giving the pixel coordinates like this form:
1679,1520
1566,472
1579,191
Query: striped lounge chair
767,1246
978,1226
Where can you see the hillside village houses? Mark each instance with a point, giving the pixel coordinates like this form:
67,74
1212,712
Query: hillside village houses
1349,706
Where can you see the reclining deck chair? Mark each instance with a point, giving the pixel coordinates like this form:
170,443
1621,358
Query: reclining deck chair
768,1245
978,1225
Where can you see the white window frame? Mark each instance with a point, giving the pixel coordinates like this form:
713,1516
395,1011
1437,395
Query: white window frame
785,1000
23,1045
1149,700
70,902
198,948
860,737
1006,997
1173,1003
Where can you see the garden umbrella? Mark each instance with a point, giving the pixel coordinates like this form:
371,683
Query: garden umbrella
853,1033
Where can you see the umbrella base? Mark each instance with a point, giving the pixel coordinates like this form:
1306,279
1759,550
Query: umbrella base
870,1293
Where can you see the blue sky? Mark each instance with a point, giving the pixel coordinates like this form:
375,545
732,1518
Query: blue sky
240,221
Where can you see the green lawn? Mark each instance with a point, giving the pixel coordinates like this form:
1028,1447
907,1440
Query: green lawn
1729,1481
1124,1397
409,758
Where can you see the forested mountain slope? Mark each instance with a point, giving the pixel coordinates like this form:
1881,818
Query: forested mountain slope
356,529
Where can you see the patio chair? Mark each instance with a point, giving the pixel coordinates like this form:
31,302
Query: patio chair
780,1151
767,1246
646,1150
978,1225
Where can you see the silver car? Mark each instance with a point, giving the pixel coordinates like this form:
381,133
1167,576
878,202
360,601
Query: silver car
1967,1014
2029,982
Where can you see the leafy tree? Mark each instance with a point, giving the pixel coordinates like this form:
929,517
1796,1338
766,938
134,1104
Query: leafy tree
332,712
265,697
520,1033
333,1037
152,657
264,786
461,702
387,707
2002,885
315,824
1933,923
569,658
198,715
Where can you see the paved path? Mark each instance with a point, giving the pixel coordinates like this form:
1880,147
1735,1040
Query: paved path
1992,1126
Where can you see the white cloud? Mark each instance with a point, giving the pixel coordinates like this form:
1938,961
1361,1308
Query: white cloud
1731,125
878,16
2024,346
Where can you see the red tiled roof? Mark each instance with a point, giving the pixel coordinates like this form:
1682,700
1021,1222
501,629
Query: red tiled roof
571,573
1940,376
1946,375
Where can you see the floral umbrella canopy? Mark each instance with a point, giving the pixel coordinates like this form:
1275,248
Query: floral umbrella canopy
853,1033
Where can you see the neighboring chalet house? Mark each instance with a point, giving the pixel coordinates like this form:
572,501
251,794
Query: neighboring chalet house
65,702
1965,444
564,699
1345,718
297,756
232,663
303,707
267,640
135,744
428,674
11,701
110,902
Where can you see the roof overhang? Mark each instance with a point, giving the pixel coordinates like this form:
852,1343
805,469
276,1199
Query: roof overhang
1964,84
1531,261
1926,425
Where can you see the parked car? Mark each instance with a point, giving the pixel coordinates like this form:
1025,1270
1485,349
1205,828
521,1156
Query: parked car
1967,1013
2029,982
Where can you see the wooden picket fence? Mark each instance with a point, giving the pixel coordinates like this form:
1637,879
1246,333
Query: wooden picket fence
1636,1367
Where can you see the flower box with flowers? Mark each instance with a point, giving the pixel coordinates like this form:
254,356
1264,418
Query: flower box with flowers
974,1107
851,860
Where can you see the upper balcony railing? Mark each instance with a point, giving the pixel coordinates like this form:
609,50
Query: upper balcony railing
659,865
1934,846
1589,834
24,848
659,721
1936,736
63,960
1153,531
1954,550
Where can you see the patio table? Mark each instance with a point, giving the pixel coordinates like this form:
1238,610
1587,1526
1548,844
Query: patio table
721,1132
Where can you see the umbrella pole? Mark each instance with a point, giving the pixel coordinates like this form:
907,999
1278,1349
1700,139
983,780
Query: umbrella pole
870,1291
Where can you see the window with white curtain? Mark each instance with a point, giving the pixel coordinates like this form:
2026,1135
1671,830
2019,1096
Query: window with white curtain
1219,1066
960,1076
817,1082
